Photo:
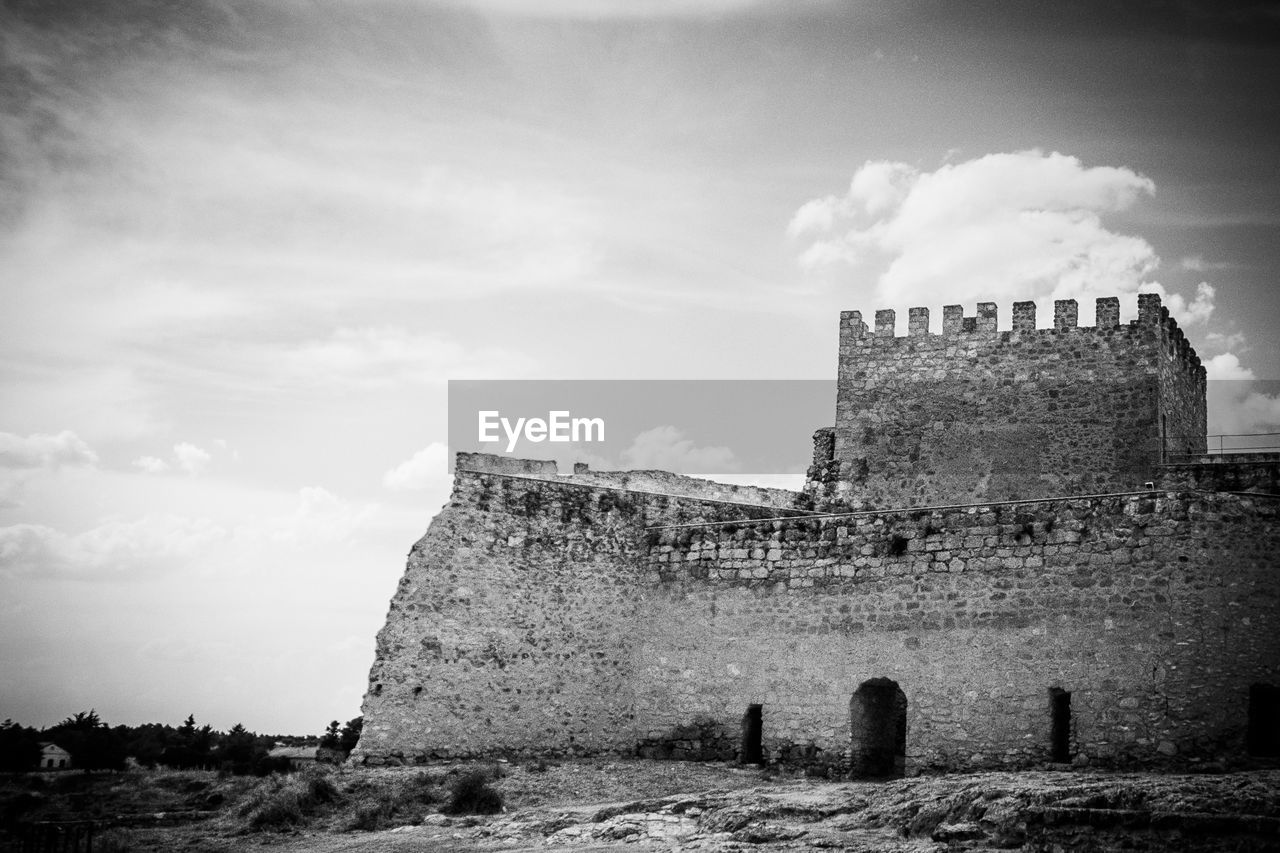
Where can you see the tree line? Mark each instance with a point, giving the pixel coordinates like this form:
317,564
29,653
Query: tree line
94,745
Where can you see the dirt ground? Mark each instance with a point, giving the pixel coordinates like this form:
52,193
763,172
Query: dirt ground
628,804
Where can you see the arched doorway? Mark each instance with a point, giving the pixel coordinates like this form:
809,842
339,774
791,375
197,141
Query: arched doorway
878,723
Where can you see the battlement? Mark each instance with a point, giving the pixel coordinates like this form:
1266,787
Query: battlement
984,325
975,412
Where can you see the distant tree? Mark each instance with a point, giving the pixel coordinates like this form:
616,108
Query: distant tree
81,721
238,750
147,743
93,744
204,742
330,738
350,735
19,747
191,746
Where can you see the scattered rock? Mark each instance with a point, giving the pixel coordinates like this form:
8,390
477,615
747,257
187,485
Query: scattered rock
765,832
957,832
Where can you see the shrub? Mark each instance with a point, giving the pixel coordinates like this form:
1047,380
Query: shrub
390,802
281,809
422,789
374,815
285,801
471,794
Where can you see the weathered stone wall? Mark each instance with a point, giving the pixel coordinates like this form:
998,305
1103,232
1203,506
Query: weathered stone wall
1226,472
976,414
512,628
1156,611
654,613
548,616
1183,408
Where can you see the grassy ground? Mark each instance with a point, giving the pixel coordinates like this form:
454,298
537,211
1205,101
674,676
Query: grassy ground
607,805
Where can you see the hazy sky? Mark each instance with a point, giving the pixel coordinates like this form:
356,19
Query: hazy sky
244,245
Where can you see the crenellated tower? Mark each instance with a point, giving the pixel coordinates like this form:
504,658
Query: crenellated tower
973,413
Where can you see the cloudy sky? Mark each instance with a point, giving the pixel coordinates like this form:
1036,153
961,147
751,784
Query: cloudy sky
244,244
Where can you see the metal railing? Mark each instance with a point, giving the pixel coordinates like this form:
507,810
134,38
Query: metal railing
1221,445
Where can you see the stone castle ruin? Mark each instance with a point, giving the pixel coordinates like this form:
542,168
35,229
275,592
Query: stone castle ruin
1011,549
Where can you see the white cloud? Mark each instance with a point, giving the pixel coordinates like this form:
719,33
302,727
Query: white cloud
1226,366
151,464
603,9
190,458
878,187
187,457
428,468
1237,410
1233,342
43,450
391,357
112,549
1198,310
11,486
666,448
1026,225
1196,263
1258,413
1236,405
321,517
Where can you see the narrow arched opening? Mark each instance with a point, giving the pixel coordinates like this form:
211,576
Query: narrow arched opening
878,726
1059,724
1263,733
752,735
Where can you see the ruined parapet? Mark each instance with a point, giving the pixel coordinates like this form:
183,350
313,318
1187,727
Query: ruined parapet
493,463
648,481
1244,472
823,477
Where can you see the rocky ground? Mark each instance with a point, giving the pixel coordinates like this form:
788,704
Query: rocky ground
619,805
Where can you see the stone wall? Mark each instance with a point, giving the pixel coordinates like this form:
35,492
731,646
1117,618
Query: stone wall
1155,611
1183,410
966,615
513,626
977,414
549,616
1225,472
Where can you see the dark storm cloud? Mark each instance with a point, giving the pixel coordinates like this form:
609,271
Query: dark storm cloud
59,57
240,32
71,71
1242,22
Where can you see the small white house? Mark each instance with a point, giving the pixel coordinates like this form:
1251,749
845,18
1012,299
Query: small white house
54,757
